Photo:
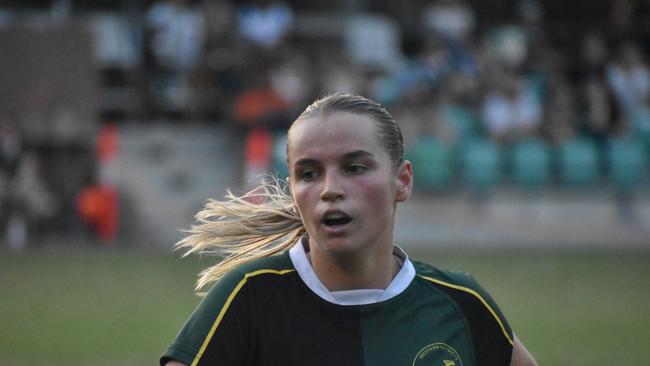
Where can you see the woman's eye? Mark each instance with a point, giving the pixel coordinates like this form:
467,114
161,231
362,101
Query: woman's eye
308,175
356,169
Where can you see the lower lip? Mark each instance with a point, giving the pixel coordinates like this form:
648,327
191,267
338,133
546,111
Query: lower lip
336,229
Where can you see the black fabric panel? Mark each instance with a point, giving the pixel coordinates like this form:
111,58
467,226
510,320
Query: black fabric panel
293,326
229,343
491,347
277,320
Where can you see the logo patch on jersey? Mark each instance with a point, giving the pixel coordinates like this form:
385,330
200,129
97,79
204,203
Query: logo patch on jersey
437,354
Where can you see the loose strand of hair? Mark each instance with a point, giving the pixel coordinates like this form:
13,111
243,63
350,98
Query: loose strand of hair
239,230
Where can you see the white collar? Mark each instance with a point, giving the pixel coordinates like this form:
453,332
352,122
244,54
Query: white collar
352,297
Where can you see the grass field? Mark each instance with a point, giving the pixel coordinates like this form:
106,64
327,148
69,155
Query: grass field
122,306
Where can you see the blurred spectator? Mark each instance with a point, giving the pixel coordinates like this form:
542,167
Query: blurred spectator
593,55
337,73
265,23
506,46
530,12
457,100
421,74
600,112
560,112
98,208
28,202
451,18
12,220
373,41
115,41
450,24
223,67
176,36
629,77
412,118
261,105
292,80
441,121
31,190
510,110
531,18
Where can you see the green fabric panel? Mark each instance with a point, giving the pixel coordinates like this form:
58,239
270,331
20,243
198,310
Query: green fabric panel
464,280
420,327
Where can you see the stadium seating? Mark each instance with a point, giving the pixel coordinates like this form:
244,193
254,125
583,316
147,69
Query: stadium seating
432,163
577,163
530,163
462,120
640,123
626,163
481,164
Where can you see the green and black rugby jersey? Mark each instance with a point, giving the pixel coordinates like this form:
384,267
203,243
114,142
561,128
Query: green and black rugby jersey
270,312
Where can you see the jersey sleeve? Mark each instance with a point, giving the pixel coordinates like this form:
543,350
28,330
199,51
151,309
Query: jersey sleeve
492,337
217,332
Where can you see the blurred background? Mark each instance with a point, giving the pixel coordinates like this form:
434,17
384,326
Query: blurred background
527,122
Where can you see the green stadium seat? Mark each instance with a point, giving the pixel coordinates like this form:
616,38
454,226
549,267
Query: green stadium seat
462,120
432,163
530,163
640,123
626,162
481,164
578,162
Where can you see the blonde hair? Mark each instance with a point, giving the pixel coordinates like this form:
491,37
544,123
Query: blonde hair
240,230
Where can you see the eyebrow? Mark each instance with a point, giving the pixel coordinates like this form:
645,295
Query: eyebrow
357,154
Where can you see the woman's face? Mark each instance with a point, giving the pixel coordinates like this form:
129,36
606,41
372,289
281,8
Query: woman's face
343,183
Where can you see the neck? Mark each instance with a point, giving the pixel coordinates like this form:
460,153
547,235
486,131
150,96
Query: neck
339,272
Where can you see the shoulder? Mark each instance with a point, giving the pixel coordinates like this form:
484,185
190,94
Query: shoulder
222,319
449,281
275,264
267,269
457,280
475,303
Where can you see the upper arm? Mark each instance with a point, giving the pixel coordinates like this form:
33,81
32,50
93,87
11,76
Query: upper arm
174,363
217,329
520,355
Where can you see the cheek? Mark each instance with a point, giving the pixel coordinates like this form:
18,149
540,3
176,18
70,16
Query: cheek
378,194
301,198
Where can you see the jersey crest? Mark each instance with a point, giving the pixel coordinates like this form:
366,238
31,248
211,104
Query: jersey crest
437,354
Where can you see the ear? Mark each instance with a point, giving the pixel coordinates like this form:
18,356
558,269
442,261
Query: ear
404,182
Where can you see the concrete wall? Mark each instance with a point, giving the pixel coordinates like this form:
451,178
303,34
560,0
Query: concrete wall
167,172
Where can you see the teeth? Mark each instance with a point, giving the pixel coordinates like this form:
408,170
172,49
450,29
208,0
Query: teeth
335,216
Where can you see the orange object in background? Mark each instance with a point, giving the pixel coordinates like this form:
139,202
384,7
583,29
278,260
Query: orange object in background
259,143
107,143
98,208
257,158
98,204
254,104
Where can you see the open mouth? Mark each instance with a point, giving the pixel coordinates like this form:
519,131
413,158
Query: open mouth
336,219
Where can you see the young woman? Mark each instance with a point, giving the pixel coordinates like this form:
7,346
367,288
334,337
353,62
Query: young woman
314,277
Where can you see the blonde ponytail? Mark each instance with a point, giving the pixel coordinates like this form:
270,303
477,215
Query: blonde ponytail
240,231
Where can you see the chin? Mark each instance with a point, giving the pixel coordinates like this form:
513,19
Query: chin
337,245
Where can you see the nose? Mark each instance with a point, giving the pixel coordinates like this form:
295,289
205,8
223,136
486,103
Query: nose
332,187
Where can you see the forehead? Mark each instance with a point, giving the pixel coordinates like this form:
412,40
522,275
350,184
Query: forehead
333,134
